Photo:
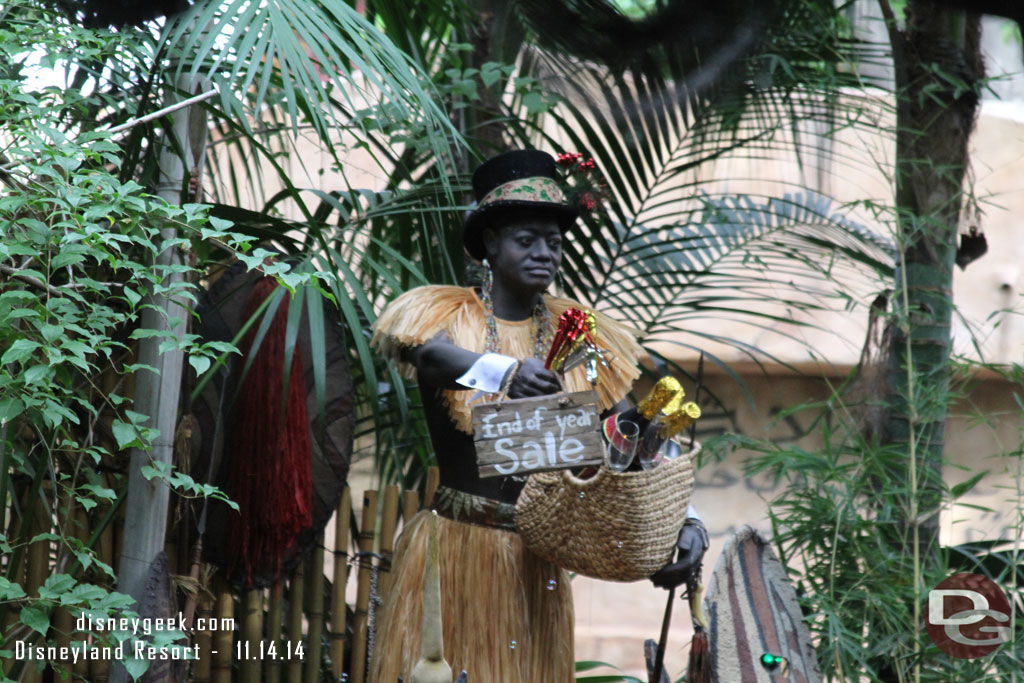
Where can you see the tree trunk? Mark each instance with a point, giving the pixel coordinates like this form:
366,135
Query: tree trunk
938,67
496,36
157,395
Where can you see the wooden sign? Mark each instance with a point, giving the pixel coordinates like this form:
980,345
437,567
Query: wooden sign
526,435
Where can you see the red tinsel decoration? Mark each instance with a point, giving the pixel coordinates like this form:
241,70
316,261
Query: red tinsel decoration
571,326
271,478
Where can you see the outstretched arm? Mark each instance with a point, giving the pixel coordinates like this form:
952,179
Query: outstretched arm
441,364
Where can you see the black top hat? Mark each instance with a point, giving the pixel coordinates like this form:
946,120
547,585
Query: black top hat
520,181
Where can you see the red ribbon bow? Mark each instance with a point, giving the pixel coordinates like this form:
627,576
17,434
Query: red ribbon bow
572,325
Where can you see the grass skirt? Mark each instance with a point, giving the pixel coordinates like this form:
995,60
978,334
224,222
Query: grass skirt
507,614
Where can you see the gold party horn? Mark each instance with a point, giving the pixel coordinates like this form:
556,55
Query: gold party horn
681,418
663,392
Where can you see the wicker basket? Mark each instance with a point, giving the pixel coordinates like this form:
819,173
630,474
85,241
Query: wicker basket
616,526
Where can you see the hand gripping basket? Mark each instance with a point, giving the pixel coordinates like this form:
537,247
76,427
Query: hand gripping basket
616,526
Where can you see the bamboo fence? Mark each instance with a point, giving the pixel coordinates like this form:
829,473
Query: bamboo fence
301,630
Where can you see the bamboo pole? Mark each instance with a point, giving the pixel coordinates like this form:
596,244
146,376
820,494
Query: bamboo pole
157,393
63,622
339,611
81,531
366,534
105,543
204,639
63,625
410,505
37,562
295,599
433,480
315,615
389,520
250,667
275,618
99,669
174,546
223,638
13,572
118,537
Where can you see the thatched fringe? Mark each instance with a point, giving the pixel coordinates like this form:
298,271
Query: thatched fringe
507,615
420,314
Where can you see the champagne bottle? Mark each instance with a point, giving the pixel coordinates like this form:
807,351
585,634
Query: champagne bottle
664,396
660,395
673,418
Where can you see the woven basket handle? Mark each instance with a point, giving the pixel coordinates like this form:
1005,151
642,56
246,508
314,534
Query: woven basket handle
571,479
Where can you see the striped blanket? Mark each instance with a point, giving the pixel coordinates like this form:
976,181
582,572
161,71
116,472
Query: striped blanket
753,612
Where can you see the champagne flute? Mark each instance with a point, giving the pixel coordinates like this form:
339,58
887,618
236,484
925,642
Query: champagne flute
671,449
622,441
649,451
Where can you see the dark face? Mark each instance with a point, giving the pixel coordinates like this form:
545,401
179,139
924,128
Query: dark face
525,255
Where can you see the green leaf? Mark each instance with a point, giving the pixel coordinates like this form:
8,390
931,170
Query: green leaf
84,557
133,297
10,591
77,348
135,367
136,667
126,434
65,259
963,487
19,351
168,345
490,73
136,418
534,103
37,374
35,618
83,593
51,332
158,469
199,363
55,586
144,333
18,313
16,295
100,491
10,408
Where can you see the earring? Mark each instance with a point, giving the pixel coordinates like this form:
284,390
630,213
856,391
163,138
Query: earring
488,283
560,283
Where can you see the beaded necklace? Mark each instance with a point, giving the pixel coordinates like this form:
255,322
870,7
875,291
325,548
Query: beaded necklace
542,333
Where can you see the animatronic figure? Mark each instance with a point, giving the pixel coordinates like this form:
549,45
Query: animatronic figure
507,614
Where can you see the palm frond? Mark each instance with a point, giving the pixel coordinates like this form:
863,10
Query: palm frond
733,255
293,54
679,249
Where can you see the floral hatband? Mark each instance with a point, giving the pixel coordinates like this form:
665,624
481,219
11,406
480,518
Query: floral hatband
536,189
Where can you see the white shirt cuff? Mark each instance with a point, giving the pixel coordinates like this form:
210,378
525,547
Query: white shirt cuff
487,372
692,514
